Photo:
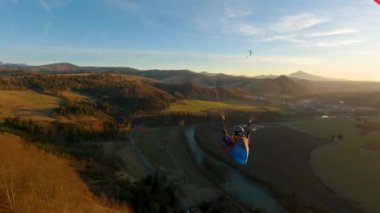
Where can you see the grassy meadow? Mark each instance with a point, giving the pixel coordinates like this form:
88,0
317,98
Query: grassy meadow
352,168
26,103
74,96
198,106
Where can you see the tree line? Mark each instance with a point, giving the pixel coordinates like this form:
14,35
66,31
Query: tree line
111,93
56,132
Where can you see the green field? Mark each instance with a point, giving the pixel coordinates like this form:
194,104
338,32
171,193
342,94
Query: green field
26,103
196,106
325,128
352,169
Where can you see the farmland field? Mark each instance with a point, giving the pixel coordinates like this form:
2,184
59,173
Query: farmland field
196,106
325,128
280,157
352,168
26,103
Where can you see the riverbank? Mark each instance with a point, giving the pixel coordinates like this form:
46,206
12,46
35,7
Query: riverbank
169,154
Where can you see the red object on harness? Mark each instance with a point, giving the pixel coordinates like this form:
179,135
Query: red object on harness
377,1
226,148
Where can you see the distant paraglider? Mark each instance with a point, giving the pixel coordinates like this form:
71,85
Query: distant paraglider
250,52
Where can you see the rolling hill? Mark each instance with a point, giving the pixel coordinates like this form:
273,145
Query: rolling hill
57,67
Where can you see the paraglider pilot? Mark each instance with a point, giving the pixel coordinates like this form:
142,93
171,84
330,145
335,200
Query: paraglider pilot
238,144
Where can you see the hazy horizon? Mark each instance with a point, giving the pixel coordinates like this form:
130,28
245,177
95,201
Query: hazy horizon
269,75
331,39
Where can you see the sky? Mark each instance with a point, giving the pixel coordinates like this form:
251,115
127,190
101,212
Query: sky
332,38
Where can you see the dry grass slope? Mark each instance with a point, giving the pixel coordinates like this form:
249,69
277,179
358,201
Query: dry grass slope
34,181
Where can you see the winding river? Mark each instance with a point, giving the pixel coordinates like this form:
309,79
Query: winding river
237,184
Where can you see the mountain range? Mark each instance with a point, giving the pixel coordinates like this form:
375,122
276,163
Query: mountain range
67,67
299,75
201,85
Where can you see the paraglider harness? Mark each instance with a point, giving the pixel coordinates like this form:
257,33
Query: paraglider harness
238,148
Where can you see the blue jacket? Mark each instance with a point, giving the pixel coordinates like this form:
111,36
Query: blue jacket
238,151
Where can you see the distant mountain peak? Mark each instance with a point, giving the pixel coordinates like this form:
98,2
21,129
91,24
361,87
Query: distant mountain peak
300,73
307,76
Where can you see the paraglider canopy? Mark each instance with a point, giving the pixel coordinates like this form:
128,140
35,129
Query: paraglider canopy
377,1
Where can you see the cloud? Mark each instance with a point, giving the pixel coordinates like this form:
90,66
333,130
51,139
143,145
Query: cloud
123,4
332,33
337,43
279,31
45,6
292,29
236,9
297,22
248,30
285,38
49,5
